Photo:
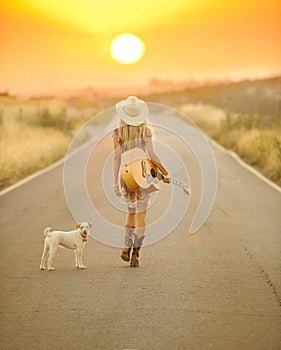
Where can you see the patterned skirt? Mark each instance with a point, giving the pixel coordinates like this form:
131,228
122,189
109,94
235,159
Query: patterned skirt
135,200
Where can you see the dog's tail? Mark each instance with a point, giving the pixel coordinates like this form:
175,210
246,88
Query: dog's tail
47,231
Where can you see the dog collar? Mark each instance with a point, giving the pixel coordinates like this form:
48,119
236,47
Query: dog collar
84,238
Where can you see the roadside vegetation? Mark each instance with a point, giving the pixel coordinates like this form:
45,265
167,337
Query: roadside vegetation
35,133
255,138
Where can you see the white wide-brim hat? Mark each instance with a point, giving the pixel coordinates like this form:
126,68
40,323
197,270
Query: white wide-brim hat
132,111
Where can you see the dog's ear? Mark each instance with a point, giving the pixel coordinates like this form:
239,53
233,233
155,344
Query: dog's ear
77,226
90,224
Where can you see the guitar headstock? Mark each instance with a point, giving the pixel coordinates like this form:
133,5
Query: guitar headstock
186,190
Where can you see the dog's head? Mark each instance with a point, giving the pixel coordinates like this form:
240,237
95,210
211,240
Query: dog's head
84,228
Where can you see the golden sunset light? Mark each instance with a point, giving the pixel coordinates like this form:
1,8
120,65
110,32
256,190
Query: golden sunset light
127,48
60,44
144,139
108,15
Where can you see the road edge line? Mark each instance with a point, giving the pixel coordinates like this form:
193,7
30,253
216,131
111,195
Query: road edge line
31,177
240,161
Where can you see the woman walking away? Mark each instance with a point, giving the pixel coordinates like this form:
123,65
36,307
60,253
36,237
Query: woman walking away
133,134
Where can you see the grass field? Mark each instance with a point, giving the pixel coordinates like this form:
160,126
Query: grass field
255,138
35,133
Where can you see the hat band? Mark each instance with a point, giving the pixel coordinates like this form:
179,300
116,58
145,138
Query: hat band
133,112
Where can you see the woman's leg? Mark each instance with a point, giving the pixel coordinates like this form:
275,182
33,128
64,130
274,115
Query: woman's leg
129,234
140,223
131,218
139,235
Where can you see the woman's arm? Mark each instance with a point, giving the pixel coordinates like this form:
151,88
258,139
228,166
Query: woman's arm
116,165
154,158
117,160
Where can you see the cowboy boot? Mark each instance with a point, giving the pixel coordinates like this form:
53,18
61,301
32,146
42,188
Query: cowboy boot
129,235
136,249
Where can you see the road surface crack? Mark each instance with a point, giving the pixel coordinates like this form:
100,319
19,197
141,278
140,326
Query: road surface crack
222,210
264,274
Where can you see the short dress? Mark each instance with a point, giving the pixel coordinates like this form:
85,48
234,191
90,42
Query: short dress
132,199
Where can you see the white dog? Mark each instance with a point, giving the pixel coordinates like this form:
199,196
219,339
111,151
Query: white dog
74,240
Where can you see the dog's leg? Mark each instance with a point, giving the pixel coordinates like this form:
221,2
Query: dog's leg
79,258
44,255
76,259
53,251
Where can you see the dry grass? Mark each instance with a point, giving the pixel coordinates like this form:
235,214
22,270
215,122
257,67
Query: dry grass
262,148
34,134
257,139
24,150
205,116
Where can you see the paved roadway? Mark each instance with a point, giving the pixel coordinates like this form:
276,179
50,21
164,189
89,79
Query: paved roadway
217,289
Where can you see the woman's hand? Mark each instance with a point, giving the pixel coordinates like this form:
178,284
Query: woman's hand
167,179
117,190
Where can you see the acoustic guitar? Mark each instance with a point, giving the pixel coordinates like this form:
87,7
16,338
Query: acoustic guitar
137,171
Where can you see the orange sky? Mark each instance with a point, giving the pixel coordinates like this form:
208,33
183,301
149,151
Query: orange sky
66,43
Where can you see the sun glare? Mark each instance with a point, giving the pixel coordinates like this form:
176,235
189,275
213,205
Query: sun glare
127,49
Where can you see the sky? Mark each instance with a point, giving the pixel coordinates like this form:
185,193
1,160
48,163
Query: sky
49,45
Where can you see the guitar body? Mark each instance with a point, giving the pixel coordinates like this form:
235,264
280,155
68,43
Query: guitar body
137,170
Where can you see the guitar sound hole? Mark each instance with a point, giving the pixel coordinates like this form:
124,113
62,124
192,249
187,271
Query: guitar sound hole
153,172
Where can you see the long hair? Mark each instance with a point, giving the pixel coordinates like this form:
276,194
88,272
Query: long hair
129,133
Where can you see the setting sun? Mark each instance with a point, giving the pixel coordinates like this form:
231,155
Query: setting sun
127,49
80,44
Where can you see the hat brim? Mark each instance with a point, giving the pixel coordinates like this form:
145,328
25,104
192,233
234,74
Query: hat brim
132,120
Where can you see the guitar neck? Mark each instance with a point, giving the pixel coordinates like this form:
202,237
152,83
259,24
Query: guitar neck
175,182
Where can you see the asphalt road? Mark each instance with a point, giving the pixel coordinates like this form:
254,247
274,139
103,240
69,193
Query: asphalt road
217,289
